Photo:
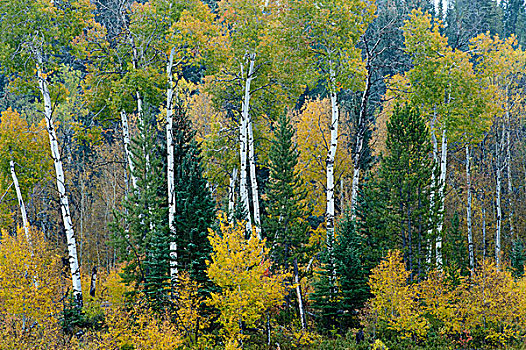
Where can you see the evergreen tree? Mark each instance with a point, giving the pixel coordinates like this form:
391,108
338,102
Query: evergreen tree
195,208
514,17
465,19
284,224
518,258
141,228
404,188
455,249
354,256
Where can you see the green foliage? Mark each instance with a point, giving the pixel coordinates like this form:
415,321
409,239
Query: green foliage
327,33
141,230
27,146
195,208
518,258
404,188
341,289
284,222
455,249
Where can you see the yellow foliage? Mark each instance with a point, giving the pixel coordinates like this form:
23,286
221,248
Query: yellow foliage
114,290
395,301
140,328
30,292
27,146
240,267
313,140
490,303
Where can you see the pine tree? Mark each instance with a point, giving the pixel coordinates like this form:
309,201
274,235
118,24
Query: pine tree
141,229
284,224
455,249
195,208
518,258
354,256
404,186
514,17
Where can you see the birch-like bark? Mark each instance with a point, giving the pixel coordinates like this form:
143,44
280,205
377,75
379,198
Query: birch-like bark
434,186
64,203
443,170
170,155
508,170
232,195
303,317
21,204
360,135
253,178
468,209
243,144
498,146
331,156
250,144
126,140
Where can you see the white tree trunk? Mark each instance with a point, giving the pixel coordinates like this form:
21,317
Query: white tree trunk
126,140
303,317
64,203
433,184
232,195
498,146
21,204
170,155
331,156
243,144
360,135
443,170
250,144
508,168
253,178
468,209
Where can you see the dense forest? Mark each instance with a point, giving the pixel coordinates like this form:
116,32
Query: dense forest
271,174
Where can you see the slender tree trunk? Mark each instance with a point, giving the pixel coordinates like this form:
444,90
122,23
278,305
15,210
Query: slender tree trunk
93,282
498,146
243,144
483,210
509,177
126,140
468,209
303,317
433,189
253,178
360,136
170,155
21,204
232,195
250,145
443,169
64,203
331,156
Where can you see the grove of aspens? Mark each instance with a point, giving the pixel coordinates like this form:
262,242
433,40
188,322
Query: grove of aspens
262,174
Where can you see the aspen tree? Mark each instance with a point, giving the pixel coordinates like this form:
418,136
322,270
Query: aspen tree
502,64
444,84
329,31
46,29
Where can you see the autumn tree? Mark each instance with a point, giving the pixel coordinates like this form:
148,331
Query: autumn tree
240,267
39,38
23,151
31,287
328,32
